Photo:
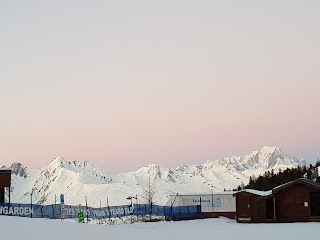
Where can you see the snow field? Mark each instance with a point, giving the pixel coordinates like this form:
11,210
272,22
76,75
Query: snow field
221,228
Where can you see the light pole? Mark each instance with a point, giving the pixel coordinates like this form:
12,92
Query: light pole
100,213
55,206
137,208
32,190
87,209
31,202
130,198
172,206
212,208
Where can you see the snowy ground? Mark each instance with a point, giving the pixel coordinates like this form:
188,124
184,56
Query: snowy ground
224,229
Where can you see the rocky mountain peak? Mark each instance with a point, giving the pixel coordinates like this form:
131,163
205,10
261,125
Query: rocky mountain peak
19,170
267,149
77,179
57,161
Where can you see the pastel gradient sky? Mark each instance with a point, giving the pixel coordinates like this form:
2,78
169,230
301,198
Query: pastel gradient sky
123,84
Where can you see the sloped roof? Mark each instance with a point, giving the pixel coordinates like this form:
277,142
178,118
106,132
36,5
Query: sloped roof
256,192
299,180
281,187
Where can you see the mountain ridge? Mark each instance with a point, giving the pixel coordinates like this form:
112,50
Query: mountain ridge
79,179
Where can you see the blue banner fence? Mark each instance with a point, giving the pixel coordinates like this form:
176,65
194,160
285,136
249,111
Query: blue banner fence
55,211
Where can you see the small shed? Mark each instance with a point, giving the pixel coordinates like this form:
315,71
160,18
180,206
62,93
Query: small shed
295,201
5,181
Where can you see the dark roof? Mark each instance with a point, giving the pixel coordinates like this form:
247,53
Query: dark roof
5,171
299,180
266,194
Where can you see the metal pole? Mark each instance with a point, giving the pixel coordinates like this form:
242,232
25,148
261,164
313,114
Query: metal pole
200,208
55,203
137,208
108,209
212,202
172,205
31,203
100,213
131,210
87,209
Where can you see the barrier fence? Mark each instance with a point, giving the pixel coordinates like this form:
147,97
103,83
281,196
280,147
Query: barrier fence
55,211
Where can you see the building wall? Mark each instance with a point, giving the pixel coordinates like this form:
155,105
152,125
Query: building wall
2,195
293,203
5,179
224,204
244,206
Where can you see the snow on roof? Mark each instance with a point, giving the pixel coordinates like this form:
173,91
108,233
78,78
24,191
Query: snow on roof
299,180
257,192
204,194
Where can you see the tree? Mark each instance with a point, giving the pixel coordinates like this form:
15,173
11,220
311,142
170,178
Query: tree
149,193
314,174
317,163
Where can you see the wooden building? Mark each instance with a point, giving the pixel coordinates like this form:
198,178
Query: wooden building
5,181
296,201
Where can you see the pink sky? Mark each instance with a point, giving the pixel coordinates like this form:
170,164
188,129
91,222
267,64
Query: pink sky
124,85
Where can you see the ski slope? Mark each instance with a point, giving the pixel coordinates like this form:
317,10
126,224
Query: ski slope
24,228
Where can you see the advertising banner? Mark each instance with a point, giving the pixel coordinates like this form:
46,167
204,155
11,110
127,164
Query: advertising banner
68,211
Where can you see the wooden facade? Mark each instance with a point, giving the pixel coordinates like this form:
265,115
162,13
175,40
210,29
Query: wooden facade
296,201
5,181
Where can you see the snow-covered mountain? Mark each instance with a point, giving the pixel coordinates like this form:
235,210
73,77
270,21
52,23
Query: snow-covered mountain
78,180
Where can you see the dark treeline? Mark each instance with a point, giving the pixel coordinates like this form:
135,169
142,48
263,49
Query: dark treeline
269,179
